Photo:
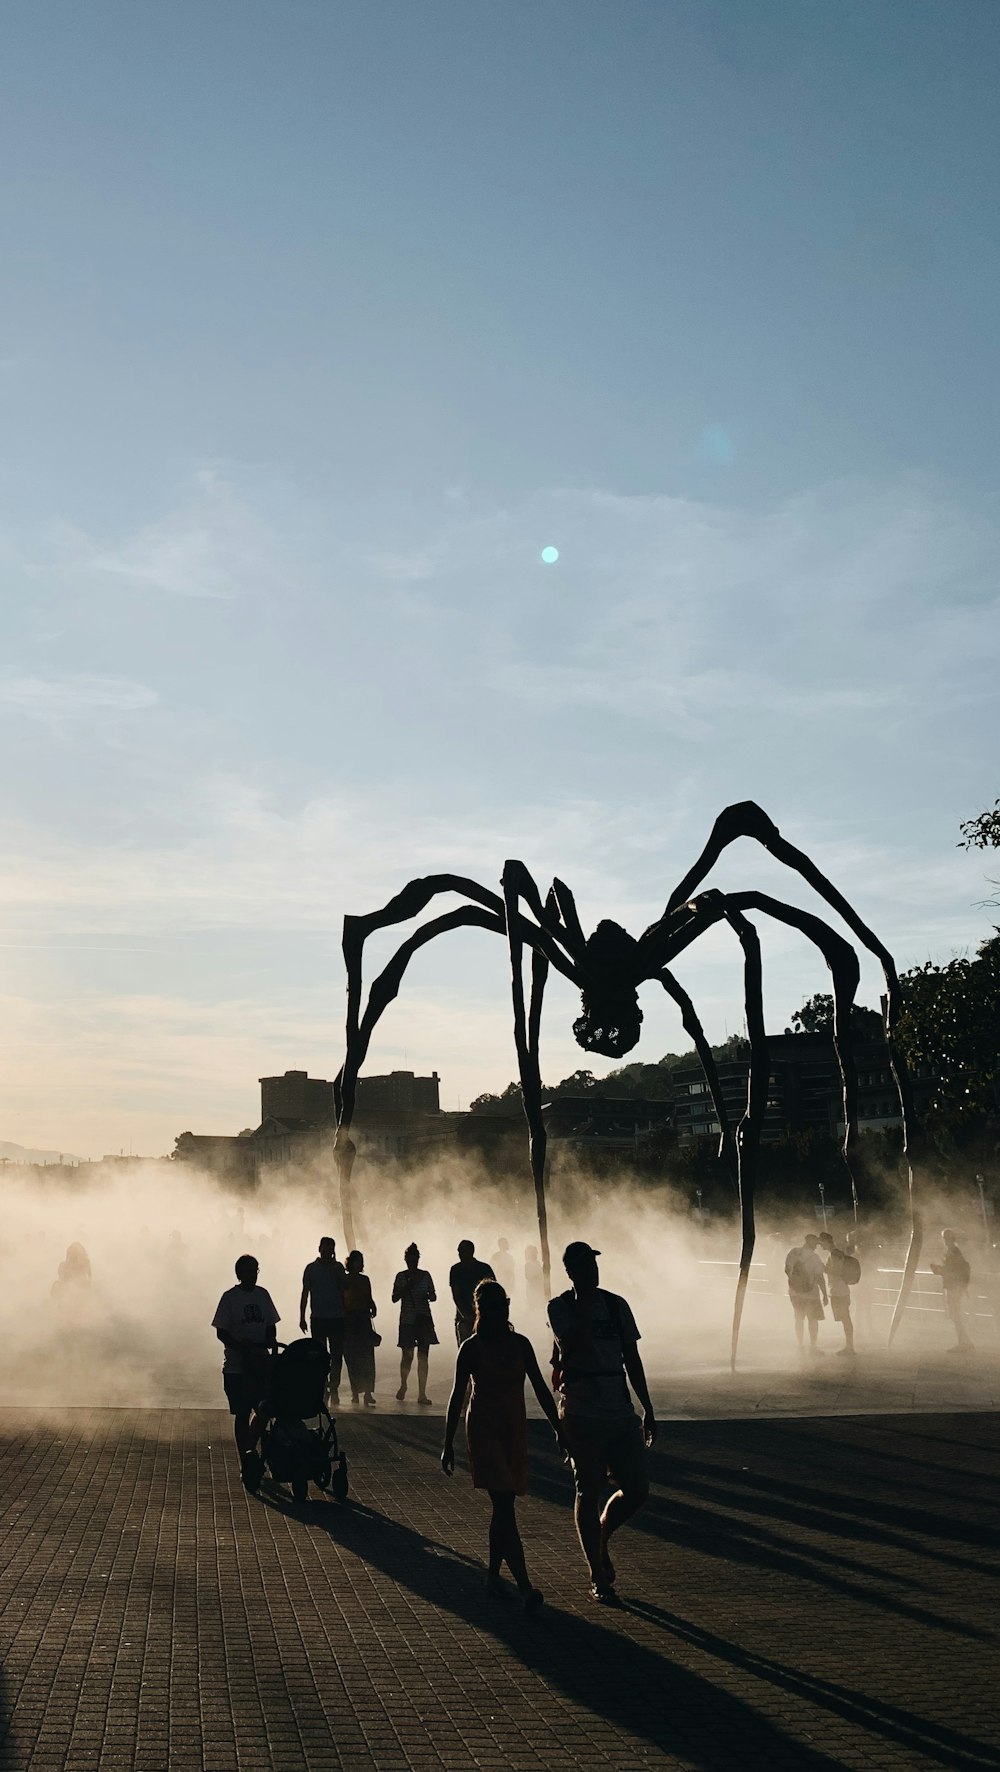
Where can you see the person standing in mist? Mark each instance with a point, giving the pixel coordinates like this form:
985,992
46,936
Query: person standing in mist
360,1335
463,1279
413,1289
806,1278
955,1274
496,1362
245,1323
594,1360
840,1266
502,1264
323,1291
534,1283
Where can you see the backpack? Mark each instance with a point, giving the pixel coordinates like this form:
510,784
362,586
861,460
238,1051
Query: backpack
850,1267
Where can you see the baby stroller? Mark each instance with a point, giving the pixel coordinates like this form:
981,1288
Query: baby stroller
291,1451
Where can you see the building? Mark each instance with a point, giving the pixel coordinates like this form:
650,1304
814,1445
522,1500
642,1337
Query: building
397,1118
603,1125
805,1091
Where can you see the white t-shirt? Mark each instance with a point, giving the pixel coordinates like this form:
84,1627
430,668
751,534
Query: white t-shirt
324,1280
247,1312
590,1339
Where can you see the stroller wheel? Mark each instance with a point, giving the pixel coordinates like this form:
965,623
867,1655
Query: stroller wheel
339,1481
322,1477
300,1488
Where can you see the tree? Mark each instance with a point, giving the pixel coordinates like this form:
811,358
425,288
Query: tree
816,1017
983,831
950,1029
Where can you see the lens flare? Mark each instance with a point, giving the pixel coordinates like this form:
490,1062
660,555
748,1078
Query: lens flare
550,556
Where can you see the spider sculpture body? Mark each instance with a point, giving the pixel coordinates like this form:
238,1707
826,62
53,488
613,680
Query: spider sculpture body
608,967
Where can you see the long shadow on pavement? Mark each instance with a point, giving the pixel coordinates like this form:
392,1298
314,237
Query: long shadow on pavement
600,1667
950,1747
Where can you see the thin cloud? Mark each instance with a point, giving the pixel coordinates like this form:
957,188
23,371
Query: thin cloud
71,698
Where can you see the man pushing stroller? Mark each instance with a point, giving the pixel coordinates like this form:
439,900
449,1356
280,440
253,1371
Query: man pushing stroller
245,1323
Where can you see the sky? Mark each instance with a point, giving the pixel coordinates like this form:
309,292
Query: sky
318,323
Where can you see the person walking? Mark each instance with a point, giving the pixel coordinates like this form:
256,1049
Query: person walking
955,1274
413,1289
495,1360
245,1322
843,1270
463,1278
360,1336
595,1358
807,1291
502,1265
323,1291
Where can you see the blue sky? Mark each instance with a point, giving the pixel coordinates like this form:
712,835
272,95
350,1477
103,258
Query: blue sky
318,323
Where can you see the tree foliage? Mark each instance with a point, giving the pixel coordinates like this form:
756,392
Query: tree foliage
950,1029
983,831
816,1017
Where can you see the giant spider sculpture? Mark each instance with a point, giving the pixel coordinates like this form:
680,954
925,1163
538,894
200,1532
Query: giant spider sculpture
608,967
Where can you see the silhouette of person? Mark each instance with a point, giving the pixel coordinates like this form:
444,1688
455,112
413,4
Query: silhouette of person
955,1274
595,1359
806,1278
502,1265
74,1270
413,1289
463,1279
244,1322
323,1290
359,1330
534,1282
496,1361
839,1287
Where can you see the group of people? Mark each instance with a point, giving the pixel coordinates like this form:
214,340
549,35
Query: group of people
820,1274
595,1361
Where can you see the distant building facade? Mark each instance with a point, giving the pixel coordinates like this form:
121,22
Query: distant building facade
804,1093
396,1117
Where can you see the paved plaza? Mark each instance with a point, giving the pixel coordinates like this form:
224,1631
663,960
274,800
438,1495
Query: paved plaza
801,1593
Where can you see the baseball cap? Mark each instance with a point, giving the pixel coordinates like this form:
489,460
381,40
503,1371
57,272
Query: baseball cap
574,1252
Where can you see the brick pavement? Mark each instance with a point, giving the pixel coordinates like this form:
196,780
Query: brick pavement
802,1594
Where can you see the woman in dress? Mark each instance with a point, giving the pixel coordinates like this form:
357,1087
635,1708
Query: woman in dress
496,1361
359,1331
414,1290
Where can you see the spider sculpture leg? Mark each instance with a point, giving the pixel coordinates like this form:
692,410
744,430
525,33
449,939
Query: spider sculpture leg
842,961
517,882
748,820
692,1026
487,912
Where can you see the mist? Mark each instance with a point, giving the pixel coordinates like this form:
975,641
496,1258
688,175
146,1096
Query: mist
160,1240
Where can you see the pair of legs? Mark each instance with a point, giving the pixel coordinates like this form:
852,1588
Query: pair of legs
599,1450
329,1332
954,1302
842,1315
405,1363
506,1547
803,1316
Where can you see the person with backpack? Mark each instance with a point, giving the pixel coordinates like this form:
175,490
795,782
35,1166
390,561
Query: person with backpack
955,1274
843,1270
595,1358
806,1278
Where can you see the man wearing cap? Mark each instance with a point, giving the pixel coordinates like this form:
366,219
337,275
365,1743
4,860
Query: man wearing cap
595,1359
